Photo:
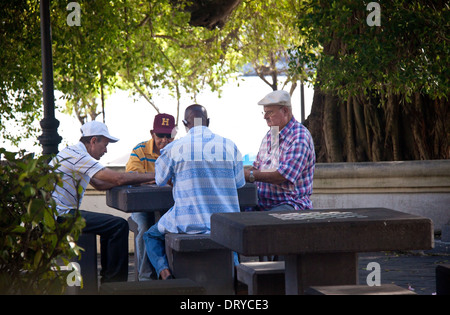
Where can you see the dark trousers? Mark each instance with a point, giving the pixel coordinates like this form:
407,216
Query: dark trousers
113,233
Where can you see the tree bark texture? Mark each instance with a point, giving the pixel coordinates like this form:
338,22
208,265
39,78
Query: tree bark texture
363,128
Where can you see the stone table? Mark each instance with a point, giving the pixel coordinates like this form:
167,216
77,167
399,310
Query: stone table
321,246
151,198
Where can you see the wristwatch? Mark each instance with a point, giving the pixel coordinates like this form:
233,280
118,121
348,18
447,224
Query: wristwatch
251,177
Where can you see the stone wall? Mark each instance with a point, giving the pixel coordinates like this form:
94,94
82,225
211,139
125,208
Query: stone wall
416,187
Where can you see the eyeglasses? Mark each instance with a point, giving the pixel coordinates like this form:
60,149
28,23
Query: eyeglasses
270,113
164,135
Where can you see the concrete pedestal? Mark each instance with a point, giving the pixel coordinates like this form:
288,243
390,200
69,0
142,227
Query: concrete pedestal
202,260
319,269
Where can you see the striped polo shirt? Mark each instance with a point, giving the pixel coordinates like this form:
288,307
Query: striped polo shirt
142,158
77,167
294,158
206,170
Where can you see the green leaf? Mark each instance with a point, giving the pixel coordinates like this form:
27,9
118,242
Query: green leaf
49,219
37,258
19,229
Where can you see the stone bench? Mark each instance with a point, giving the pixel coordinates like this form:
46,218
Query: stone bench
262,278
197,257
384,289
153,287
88,265
443,280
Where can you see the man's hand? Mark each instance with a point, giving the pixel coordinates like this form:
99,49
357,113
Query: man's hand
272,177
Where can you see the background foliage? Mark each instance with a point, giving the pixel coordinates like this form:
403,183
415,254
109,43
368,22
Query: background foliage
31,241
381,92
142,47
408,53
20,88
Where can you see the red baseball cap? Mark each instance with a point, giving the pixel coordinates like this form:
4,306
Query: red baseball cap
163,123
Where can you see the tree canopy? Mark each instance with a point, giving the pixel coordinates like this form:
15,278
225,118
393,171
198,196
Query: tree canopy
20,88
139,46
407,53
381,92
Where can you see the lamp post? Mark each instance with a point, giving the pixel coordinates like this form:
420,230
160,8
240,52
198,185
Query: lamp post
302,101
50,137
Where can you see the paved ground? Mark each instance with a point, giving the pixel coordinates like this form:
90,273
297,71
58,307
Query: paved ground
414,270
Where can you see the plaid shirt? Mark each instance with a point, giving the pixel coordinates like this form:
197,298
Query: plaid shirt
294,158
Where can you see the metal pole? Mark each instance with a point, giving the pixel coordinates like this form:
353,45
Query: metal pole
50,137
302,101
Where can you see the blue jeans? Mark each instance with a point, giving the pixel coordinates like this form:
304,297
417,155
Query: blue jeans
144,221
156,250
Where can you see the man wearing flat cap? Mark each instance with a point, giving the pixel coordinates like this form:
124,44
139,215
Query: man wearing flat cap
78,165
284,167
142,160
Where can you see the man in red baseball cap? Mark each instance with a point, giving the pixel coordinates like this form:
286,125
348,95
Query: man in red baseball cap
142,160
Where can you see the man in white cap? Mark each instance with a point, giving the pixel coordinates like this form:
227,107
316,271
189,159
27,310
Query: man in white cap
79,166
284,167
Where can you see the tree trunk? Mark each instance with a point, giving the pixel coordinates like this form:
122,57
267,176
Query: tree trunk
332,130
314,125
365,129
381,126
350,132
392,126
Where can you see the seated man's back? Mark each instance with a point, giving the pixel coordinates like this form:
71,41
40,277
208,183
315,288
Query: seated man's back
206,170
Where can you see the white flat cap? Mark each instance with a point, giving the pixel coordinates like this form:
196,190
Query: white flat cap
276,98
96,128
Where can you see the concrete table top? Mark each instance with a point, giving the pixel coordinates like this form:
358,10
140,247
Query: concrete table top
321,231
150,198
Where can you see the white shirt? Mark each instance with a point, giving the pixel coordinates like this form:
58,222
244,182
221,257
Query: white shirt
77,167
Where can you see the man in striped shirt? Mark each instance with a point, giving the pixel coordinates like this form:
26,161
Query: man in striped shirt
206,170
78,166
284,167
142,160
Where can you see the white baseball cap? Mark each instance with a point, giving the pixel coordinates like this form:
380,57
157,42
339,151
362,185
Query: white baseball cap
276,98
96,128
